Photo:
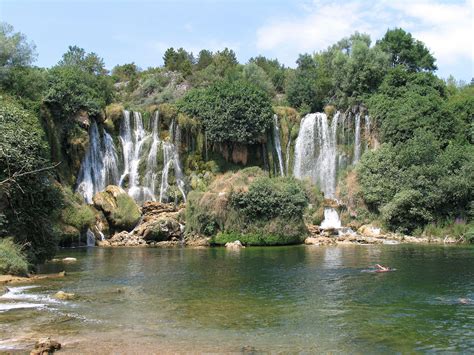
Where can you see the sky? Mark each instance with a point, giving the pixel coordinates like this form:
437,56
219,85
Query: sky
140,31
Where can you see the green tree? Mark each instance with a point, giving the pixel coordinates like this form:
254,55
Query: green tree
274,70
88,62
27,194
230,111
406,51
179,60
256,75
302,88
204,59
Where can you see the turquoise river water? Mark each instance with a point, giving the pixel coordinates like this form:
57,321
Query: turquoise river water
299,299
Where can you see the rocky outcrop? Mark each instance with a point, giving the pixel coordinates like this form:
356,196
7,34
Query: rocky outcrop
119,209
160,225
45,346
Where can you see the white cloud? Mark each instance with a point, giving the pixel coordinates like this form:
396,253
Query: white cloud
446,28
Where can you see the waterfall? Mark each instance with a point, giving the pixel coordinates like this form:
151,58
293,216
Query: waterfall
276,141
171,159
357,139
367,131
90,238
318,158
315,151
331,219
99,166
151,174
140,173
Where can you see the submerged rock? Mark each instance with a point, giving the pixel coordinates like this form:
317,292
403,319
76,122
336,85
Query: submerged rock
45,346
64,296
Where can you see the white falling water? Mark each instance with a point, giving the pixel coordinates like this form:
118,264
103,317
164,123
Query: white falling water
315,151
99,166
171,160
357,139
90,238
140,149
331,219
367,131
276,140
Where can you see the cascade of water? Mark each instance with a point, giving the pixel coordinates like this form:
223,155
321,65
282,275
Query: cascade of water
331,219
99,166
171,159
151,174
276,140
90,238
357,139
367,131
288,149
315,151
140,149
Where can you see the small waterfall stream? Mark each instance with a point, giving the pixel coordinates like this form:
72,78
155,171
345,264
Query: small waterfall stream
141,174
318,153
276,140
99,166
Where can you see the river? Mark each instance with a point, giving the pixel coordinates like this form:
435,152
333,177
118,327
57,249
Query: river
279,299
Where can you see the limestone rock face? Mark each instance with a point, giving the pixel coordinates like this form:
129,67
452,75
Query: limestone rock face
120,210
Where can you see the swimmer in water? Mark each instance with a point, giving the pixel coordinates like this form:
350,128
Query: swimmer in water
382,268
464,300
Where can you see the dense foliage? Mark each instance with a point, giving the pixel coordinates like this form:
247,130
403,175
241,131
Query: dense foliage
230,111
12,259
27,195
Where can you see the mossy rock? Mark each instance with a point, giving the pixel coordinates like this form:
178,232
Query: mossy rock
119,208
256,239
114,112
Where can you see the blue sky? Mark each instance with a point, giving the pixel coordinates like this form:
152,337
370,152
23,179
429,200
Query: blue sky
140,31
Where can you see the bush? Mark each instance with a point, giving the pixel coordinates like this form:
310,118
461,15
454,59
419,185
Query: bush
251,207
12,259
268,198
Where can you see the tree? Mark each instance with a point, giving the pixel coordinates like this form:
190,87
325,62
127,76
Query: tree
88,62
302,88
179,60
27,193
406,51
256,75
230,111
204,59
274,70
15,51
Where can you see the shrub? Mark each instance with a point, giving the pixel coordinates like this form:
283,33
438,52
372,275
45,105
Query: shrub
12,259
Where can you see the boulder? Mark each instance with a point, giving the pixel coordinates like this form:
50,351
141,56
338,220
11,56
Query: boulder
234,245
45,346
64,296
369,230
162,228
120,210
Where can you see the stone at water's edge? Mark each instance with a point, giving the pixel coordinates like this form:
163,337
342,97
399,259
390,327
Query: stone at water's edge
234,245
160,225
120,210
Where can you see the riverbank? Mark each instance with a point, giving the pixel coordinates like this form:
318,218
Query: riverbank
13,280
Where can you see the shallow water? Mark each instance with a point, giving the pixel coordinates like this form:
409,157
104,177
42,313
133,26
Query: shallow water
283,299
